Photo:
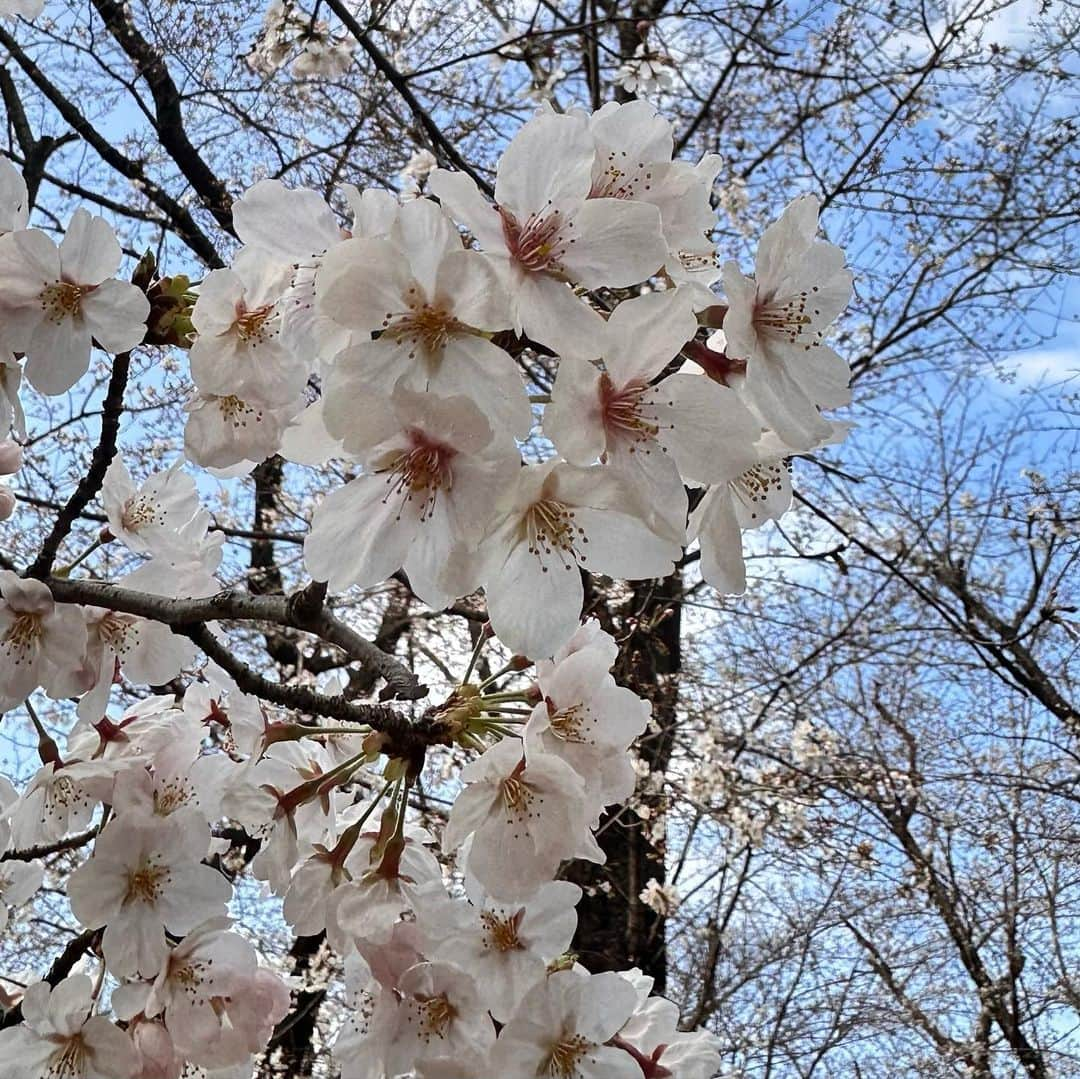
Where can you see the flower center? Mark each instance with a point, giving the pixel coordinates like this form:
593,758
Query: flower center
756,484
550,529
147,883
424,325
24,636
69,1061
421,473
139,511
568,724
538,243
62,300
621,180
251,325
436,1015
237,412
565,1056
114,630
789,319
623,410
517,795
502,933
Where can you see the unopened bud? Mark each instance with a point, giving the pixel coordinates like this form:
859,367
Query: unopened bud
11,457
7,503
520,663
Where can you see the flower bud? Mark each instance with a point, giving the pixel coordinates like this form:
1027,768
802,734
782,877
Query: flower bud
11,456
7,503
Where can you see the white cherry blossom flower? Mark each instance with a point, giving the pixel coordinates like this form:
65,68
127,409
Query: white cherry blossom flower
431,301
226,431
55,301
187,567
554,520
239,350
439,1014
42,643
760,494
544,231
146,518
14,200
19,883
61,799
385,881
656,435
646,72
504,946
634,145
147,651
589,722
561,1026
61,1037
653,1031
776,321
431,466
527,816
146,876
218,1004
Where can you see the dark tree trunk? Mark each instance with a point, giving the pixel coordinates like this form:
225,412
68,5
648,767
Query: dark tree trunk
615,929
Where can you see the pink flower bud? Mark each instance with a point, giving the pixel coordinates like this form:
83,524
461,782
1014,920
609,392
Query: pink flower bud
10,457
7,503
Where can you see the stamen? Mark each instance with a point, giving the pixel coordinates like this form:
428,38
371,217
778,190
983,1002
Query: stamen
251,325
790,319
539,243
550,529
62,300
421,473
566,1055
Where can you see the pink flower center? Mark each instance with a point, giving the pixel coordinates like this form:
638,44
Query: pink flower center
538,243
147,883
625,411
621,180
139,511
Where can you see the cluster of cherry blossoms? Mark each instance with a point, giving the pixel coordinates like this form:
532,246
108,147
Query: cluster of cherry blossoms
400,346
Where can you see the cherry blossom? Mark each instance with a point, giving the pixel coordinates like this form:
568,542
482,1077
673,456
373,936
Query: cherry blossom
42,643
239,350
222,431
60,799
634,146
10,463
60,1036
554,519
543,229
760,494
148,652
14,200
147,517
655,434
431,302
589,722
504,946
562,1025
218,1005
776,321
431,465
56,301
146,876
526,815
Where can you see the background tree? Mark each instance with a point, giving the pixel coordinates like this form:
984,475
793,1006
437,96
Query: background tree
854,832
